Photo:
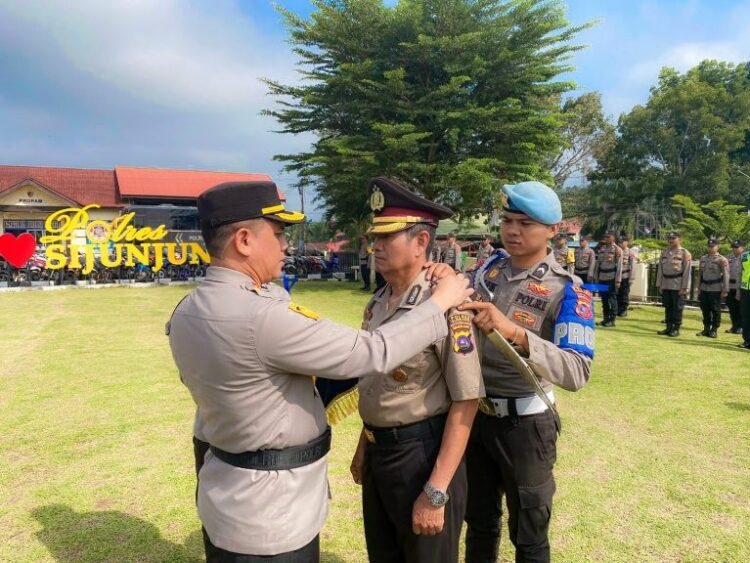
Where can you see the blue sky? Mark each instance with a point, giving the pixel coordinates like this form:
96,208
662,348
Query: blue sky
174,83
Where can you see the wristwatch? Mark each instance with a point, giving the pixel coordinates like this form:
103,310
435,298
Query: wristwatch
436,497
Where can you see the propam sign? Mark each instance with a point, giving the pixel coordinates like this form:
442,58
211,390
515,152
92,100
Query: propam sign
117,243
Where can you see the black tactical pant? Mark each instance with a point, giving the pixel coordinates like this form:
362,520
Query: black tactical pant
733,305
609,301
364,270
393,477
511,457
584,277
745,315
673,303
309,553
711,308
623,297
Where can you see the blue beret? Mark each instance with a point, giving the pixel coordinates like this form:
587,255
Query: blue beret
534,199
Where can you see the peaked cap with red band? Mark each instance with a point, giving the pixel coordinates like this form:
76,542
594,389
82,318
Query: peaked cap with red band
397,208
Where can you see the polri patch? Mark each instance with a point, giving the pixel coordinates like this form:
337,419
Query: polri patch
460,329
524,318
304,311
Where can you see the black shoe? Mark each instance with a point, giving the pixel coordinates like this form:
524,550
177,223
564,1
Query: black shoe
744,345
674,332
365,289
704,332
731,331
712,333
602,323
622,315
665,332
607,324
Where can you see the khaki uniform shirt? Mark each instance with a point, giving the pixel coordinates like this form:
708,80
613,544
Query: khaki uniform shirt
452,256
628,265
427,383
674,269
735,270
247,355
562,256
485,252
585,263
714,273
532,299
609,263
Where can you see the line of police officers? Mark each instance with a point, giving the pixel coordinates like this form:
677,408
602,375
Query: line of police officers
248,356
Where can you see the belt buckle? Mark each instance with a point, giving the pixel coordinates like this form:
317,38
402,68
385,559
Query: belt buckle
370,436
486,407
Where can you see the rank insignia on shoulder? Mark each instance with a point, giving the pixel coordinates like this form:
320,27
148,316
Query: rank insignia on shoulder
310,314
542,269
414,295
460,329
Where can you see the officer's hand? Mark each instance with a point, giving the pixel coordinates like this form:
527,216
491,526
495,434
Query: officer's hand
358,463
426,520
617,286
723,294
451,291
488,317
683,292
437,270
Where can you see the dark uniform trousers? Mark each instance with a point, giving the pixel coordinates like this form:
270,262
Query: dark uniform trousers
609,301
710,302
393,477
584,276
673,303
309,553
623,297
745,315
734,309
513,457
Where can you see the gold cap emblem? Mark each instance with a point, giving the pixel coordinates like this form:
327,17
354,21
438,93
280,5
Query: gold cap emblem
377,200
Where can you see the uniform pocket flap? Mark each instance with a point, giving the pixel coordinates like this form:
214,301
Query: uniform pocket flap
537,495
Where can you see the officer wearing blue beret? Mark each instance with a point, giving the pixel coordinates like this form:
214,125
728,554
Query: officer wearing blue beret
540,308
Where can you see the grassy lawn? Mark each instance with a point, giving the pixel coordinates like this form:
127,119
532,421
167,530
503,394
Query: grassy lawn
653,461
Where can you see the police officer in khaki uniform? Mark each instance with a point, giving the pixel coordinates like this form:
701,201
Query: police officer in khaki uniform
585,260
248,356
609,273
451,254
673,280
416,421
735,274
714,286
485,249
627,278
562,252
540,308
743,296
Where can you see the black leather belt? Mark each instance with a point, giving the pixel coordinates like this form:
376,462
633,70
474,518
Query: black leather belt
431,427
732,281
717,280
278,460
672,276
607,270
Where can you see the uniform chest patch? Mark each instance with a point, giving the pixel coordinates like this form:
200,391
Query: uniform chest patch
400,376
304,311
460,329
531,301
539,289
524,318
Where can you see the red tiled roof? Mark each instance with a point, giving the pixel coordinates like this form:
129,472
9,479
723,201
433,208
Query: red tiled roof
157,183
80,185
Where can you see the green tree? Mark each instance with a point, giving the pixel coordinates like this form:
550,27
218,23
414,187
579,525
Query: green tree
686,139
455,97
717,218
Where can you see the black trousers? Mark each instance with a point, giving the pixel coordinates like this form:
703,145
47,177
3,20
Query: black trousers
745,314
733,305
673,303
609,301
584,277
394,475
511,457
623,297
365,271
710,302
309,553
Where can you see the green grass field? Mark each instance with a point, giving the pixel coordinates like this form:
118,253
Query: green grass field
96,459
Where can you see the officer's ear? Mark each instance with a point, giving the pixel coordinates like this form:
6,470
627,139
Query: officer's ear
246,237
552,230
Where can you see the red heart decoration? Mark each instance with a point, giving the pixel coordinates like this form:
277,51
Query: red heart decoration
17,251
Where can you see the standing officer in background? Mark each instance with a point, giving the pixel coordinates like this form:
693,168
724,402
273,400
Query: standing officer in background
485,249
451,254
540,308
627,278
673,279
585,260
735,273
714,286
248,356
609,273
417,420
743,295
562,252
364,262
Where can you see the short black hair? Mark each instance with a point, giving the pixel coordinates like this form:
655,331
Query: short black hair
216,238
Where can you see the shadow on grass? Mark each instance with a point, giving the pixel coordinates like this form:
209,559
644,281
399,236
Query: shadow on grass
738,406
111,535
